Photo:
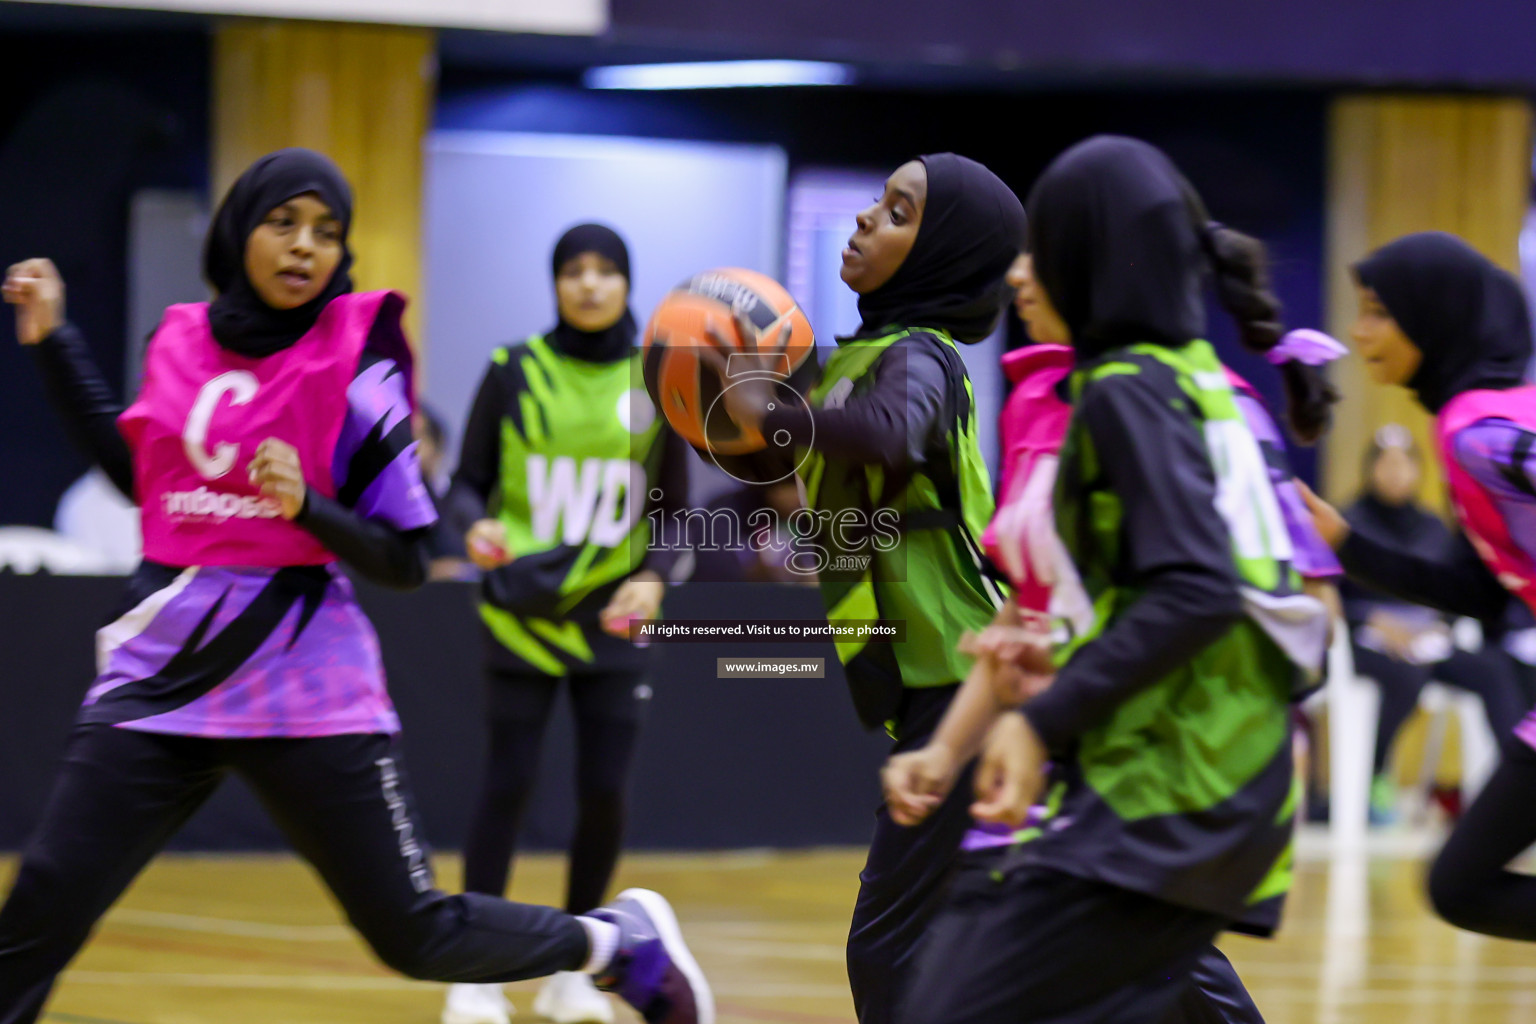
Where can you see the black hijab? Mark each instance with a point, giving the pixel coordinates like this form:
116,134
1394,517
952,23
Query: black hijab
1466,316
1401,522
241,321
1410,526
972,229
1117,246
612,343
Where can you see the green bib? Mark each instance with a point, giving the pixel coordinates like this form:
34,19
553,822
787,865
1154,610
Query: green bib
924,570
1245,498
1196,765
580,449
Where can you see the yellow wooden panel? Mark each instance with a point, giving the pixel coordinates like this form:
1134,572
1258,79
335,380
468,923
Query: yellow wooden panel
1399,164
362,94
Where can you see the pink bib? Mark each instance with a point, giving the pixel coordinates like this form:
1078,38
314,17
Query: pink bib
203,411
1475,506
1031,427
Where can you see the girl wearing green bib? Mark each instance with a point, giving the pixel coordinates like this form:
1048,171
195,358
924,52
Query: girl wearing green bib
561,457
894,473
1170,813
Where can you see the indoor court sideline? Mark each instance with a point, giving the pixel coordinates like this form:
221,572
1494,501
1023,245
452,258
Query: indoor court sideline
254,940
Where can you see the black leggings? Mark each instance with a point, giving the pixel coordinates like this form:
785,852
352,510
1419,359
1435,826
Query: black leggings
1470,884
901,889
1488,673
608,709
905,876
1035,946
345,804
904,888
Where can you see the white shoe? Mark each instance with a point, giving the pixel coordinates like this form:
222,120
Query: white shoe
570,998
477,1004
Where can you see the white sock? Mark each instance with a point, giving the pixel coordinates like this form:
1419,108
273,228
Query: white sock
603,938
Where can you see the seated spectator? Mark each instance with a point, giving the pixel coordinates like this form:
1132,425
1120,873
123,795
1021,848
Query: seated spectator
445,540
1403,646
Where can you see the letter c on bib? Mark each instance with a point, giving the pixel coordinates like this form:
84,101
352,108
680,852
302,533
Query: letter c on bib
240,386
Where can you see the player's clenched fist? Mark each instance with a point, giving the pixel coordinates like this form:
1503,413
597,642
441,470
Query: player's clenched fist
35,288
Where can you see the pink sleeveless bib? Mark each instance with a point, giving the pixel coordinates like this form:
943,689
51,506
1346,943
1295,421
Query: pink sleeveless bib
203,411
1032,425
1475,506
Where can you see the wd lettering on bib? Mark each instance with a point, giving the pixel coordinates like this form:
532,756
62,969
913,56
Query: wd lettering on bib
579,453
593,500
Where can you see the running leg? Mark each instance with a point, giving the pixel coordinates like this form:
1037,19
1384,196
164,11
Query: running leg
607,709
345,803
1470,883
119,797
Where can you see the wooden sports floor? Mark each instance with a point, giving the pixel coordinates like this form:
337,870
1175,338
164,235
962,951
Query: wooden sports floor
255,940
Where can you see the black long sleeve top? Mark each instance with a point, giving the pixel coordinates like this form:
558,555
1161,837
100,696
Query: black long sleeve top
89,410
1175,553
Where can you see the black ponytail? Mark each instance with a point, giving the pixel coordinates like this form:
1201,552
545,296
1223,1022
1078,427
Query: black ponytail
1241,267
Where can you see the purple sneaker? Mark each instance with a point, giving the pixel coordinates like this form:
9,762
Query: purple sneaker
653,970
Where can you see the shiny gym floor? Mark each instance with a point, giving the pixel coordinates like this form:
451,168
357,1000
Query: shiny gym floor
255,940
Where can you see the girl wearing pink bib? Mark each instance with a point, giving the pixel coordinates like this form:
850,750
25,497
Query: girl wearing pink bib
272,439
1440,319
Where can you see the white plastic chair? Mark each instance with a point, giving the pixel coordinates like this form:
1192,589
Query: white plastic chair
1479,746
1354,705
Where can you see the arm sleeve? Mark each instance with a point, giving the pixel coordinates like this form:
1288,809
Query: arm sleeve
1176,550
379,520
665,552
378,551
480,452
1502,457
1452,580
890,423
461,508
85,402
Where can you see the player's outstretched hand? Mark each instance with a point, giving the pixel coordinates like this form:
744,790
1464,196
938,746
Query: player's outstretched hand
636,601
1327,520
1013,685
1024,646
746,396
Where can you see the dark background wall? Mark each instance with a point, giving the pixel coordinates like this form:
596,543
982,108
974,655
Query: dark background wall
721,763
90,119
1400,42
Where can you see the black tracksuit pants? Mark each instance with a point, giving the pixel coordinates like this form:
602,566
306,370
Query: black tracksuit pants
345,804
